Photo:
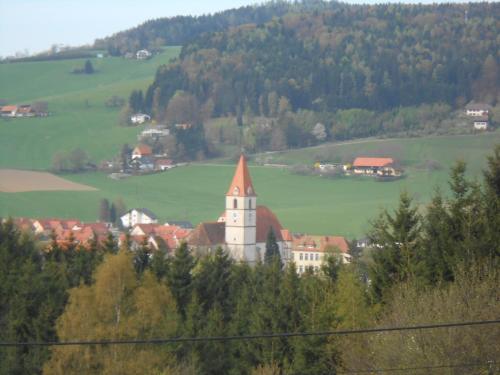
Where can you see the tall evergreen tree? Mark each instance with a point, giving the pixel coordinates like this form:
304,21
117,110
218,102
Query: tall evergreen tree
399,239
272,248
180,278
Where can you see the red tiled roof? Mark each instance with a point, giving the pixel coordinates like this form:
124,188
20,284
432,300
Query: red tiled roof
143,150
287,236
208,234
320,243
9,108
242,183
372,162
267,219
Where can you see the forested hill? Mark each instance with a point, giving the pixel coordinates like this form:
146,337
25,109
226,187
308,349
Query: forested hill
344,56
180,30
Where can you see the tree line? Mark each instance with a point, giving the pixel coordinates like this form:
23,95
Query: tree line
435,265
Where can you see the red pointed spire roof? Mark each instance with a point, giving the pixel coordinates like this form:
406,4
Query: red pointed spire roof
241,185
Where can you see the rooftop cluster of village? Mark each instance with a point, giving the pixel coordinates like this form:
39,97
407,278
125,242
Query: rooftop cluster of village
37,109
242,230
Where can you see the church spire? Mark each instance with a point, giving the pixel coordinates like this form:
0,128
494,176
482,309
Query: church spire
241,185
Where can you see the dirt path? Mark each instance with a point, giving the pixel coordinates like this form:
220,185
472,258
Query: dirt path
16,181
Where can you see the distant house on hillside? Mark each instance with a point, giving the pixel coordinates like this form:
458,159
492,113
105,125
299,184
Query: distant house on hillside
164,164
154,132
477,109
138,216
25,110
141,151
481,122
143,54
309,252
8,111
374,166
139,118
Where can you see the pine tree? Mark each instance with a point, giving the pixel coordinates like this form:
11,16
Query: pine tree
399,239
272,248
180,278
104,211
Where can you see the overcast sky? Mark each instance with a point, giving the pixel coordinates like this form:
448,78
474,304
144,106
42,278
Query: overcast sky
35,25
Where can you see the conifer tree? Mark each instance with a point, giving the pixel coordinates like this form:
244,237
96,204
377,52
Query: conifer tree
180,278
399,239
272,248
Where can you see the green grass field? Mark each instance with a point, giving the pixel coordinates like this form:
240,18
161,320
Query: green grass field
303,203
80,118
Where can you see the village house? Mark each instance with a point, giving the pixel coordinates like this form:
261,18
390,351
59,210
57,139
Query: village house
310,252
141,151
25,110
157,236
139,118
154,132
143,54
138,216
481,122
8,111
477,109
374,166
243,227
164,164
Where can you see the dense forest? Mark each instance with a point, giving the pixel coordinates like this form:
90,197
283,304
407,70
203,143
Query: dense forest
297,74
372,57
436,265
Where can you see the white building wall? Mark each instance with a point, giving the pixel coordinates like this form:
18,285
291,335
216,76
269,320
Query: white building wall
241,231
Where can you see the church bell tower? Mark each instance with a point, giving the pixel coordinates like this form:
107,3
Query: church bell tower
241,220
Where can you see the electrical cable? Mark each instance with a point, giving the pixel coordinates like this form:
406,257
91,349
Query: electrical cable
246,337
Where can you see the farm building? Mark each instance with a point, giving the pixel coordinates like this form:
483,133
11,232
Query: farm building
481,122
477,109
374,166
8,111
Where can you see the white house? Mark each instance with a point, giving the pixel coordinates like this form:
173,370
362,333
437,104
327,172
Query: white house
138,216
8,111
143,54
139,118
310,252
481,122
155,132
477,109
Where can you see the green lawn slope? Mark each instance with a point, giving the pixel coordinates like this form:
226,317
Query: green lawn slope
310,204
76,101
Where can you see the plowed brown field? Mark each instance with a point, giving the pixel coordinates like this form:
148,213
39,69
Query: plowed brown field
15,181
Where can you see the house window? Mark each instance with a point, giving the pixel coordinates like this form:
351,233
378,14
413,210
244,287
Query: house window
235,203
301,269
317,256
301,256
307,256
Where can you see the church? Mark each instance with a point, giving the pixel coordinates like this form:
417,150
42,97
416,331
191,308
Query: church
243,227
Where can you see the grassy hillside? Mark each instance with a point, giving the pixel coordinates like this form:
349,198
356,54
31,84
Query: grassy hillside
303,203
80,118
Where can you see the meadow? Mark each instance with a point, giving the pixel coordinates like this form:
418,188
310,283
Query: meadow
79,117
312,204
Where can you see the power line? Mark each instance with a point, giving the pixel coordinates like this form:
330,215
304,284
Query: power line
248,337
458,365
